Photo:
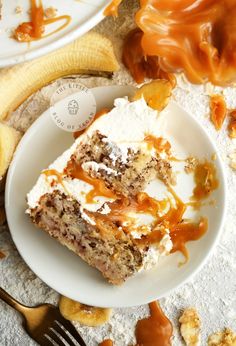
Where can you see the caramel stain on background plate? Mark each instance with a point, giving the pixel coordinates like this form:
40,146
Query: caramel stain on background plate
35,28
155,330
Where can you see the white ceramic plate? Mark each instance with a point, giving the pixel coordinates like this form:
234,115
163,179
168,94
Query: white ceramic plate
85,14
62,269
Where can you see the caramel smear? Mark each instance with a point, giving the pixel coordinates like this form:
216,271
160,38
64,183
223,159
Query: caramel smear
223,338
2,255
197,37
190,327
139,64
155,330
112,8
232,124
35,28
218,110
205,180
107,342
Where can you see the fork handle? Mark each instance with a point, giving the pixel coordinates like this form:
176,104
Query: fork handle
11,301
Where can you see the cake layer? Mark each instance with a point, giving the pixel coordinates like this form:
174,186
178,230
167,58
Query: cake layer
109,249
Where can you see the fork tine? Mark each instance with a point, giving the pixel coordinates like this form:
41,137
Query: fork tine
55,338
62,333
45,341
71,329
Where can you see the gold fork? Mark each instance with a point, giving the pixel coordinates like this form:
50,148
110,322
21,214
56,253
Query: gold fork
45,324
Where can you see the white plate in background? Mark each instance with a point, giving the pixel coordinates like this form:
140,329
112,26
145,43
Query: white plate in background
64,271
85,14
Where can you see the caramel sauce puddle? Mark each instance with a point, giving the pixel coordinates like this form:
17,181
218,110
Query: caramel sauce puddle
155,330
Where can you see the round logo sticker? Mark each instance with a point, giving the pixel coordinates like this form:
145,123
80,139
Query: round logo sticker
72,107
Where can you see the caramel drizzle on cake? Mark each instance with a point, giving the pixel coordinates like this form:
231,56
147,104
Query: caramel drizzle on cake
74,170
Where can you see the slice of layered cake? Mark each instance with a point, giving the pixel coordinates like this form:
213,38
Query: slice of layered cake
92,199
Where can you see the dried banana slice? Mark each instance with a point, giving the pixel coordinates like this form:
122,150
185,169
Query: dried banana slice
92,52
9,138
86,315
155,93
225,337
190,327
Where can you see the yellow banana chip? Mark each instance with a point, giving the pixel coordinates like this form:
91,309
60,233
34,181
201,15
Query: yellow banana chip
223,338
86,315
190,327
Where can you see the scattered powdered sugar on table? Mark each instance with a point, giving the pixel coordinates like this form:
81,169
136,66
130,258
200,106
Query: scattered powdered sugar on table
211,292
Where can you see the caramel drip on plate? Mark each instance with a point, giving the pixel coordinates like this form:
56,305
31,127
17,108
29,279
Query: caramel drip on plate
155,330
193,36
205,180
35,28
184,232
97,115
139,64
74,170
107,342
112,8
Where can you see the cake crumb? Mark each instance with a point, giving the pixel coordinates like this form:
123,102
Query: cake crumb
232,163
50,12
191,163
18,10
190,327
222,338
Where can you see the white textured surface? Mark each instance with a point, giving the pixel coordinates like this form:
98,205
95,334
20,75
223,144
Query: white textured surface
212,291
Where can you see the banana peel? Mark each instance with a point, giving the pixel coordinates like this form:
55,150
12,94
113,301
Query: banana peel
92,52
9,139
86,315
